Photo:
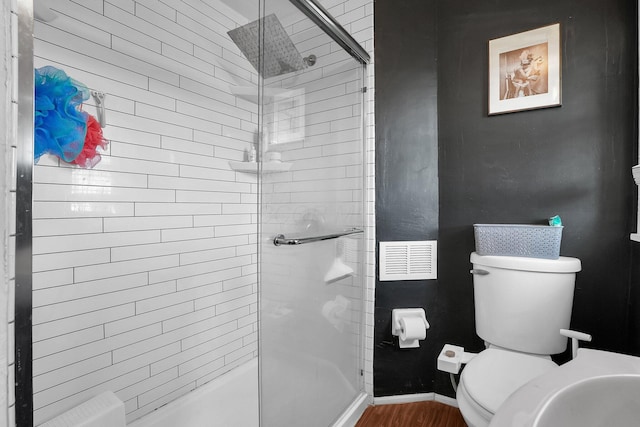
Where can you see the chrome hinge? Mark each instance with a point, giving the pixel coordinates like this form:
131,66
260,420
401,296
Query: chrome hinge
364,89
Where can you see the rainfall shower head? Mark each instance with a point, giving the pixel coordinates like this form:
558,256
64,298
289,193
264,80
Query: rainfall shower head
280,54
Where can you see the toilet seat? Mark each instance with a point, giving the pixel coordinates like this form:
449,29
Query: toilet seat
474,415
522,407
494,374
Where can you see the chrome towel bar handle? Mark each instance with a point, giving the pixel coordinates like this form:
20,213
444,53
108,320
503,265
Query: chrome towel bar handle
280,239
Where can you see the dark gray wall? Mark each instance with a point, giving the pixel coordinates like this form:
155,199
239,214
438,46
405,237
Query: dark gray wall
573,160
406,175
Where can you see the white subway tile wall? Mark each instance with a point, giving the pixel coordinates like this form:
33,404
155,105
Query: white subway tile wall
145,277
146,265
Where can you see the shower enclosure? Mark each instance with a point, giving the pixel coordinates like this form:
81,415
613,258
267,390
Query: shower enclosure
223,223
311,274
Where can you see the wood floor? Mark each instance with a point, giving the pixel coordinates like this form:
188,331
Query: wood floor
417,414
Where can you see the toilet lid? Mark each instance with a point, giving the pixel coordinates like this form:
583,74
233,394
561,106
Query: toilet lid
494,374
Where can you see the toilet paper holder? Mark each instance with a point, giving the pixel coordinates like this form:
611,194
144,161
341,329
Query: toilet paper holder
397,329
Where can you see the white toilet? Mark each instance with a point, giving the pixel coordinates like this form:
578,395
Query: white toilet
520,306
595,388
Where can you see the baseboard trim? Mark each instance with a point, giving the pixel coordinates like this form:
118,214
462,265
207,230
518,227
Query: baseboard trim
446,400
418,397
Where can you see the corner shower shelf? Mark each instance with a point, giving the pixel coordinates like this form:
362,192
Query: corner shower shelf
250,93
252,167
284,146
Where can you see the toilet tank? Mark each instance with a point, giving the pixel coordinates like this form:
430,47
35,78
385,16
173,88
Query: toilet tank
522,303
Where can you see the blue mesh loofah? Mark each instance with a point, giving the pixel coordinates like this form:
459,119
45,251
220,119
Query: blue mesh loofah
60,125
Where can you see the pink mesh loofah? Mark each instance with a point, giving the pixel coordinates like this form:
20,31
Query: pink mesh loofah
89,157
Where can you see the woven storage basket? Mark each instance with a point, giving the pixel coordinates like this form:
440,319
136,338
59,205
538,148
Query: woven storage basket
533,241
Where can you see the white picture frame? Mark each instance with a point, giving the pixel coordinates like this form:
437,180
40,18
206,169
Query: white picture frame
525,71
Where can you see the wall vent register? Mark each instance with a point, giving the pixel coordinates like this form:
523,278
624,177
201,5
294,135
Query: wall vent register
416,260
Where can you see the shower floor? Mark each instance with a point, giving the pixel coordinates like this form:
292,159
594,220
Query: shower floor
230,400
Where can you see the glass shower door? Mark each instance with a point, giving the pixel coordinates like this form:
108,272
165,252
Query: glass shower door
311,203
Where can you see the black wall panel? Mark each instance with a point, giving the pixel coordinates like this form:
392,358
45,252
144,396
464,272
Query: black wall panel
406,176
574,161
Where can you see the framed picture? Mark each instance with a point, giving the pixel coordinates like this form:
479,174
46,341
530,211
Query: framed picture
524,71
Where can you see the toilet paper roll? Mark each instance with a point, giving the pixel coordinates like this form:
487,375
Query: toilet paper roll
413,328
